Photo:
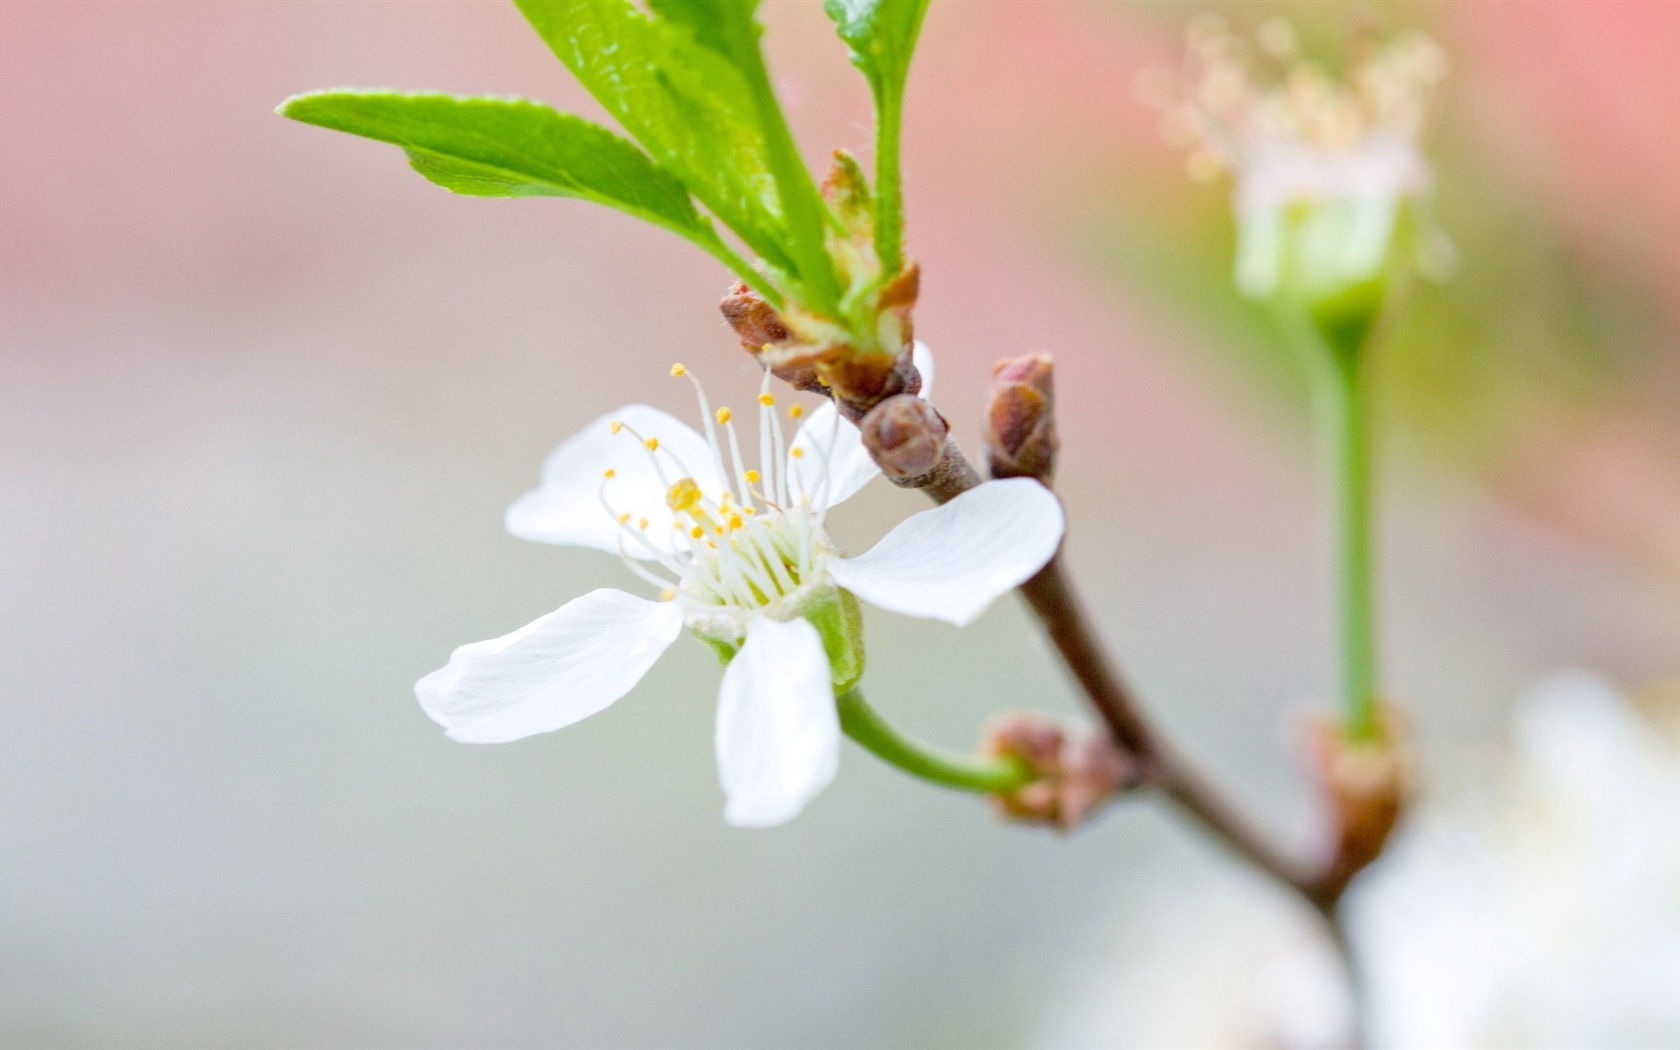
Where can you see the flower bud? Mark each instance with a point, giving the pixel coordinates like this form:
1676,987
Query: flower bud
1363,784
1330,179
1074,775
761,330
1020,434
906,436
859,366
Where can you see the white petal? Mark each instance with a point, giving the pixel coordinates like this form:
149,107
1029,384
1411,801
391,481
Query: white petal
553,671
833,464
948,563
923,359
566,507
778,733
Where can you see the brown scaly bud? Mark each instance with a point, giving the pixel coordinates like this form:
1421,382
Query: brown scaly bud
895,303
818,355
1074,775
846,378
760,329
1363,784
906,436
753,319
1020,435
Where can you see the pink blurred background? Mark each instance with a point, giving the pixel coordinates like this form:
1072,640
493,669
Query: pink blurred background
264,394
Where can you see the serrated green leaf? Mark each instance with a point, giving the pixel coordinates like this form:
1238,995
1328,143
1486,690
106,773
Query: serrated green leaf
882,37
728,28
498,147
687,104
501,147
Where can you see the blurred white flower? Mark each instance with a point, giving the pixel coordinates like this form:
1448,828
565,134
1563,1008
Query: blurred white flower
1539,910
1202,962
740,557
1322,165
1548,915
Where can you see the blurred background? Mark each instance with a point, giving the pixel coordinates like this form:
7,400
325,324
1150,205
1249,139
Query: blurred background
264,394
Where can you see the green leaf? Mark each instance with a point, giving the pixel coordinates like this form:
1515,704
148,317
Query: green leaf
729,28
726,26
882,37
498,147
495,147
685,102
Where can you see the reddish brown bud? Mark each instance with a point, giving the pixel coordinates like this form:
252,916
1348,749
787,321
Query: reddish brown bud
753,319
862,383
1074,776
762,332
1020,435
1363,784
906,436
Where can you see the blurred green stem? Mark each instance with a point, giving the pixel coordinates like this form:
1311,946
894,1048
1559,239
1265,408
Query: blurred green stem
963,772
1344,405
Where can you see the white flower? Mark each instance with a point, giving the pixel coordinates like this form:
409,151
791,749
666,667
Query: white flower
1548,912
1536,904
1322,166
739,556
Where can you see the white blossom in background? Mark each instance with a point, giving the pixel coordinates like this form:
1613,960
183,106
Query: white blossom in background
1538,908
741,557
1201,962
1323,165
1549,914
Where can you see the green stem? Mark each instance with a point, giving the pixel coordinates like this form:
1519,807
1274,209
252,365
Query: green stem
801,204
963,772
889,189
1347,424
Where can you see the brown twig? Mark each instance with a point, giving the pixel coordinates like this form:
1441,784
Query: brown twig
1054,601
1352,847
908,439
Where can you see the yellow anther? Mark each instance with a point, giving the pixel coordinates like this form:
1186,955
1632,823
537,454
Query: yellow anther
642,524
752,477
678,369
683,495
767,399
615,426
735,521
749,511
652,444
795,411
797,452
724,416
667,594
609,473
624,519
697,532
764,348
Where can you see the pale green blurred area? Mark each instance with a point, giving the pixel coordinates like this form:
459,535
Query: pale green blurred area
264,394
